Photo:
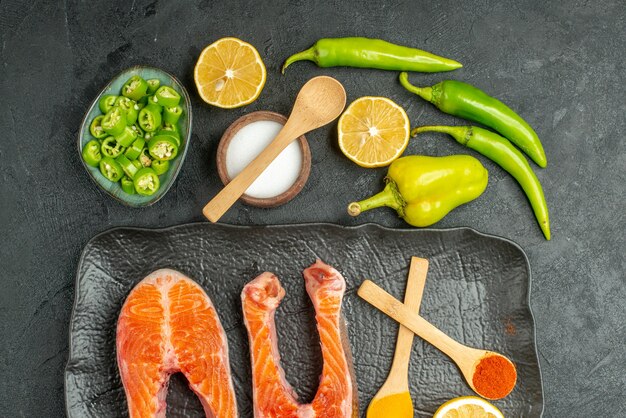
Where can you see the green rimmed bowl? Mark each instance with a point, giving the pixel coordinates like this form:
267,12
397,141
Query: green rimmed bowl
184,124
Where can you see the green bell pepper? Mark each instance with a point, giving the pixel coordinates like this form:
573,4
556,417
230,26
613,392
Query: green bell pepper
425,189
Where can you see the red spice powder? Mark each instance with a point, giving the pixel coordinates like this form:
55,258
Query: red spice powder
494,377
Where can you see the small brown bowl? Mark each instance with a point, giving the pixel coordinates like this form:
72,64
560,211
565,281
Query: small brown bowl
269,202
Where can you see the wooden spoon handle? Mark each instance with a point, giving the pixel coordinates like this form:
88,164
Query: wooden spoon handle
216,208
412,300
389,305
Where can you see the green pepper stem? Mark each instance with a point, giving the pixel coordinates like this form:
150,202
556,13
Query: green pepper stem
461,134
425,93
308,54
390,197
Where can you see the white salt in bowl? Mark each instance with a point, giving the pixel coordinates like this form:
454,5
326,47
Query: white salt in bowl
244,140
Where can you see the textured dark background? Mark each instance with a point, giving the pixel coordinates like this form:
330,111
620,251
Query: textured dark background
559,64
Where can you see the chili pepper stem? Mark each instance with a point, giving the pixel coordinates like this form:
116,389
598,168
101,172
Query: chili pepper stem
425,93
460,133
389,197
306,55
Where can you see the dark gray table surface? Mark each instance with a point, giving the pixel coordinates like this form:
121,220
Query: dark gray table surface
559,64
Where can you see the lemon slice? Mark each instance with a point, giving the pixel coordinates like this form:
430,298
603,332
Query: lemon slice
373,131
468,407
229,73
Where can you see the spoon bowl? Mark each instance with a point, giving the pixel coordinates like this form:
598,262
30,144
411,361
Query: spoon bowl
320,101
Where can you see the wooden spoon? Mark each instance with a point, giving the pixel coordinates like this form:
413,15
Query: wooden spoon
320,101
393,398
466,358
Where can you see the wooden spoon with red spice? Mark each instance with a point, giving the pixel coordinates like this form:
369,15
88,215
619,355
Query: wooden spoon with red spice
490,374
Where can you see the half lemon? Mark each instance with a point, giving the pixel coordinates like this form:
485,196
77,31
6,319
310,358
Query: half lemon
373,131
229,73
468,407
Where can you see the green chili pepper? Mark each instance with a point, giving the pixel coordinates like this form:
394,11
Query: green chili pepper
96,127
131,108
171,127
107,102
166,96
371,53
127,137
137,164
110,147
134,150
127,166
466,101
146,182
111,169
425,189
173,134
135,88
91,153
503,153
153,85
163,147
160,167
114,121
141,103
172,114
136,128
128,186
150,118
144,158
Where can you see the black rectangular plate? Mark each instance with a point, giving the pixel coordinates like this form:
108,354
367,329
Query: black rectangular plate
477,291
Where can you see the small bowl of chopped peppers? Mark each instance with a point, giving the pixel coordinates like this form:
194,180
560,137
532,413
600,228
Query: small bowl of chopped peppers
135,135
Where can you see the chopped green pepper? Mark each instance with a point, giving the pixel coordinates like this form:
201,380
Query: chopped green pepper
153,85
134,150
136,128
137,164
146,182
131,108
171,127
172,114
96,127
150,118
144,158
91,153
114,121
110,147
107,102
111,169
160,167
127,137
173,134
167,96
128,186
163,147
127,166
135,88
